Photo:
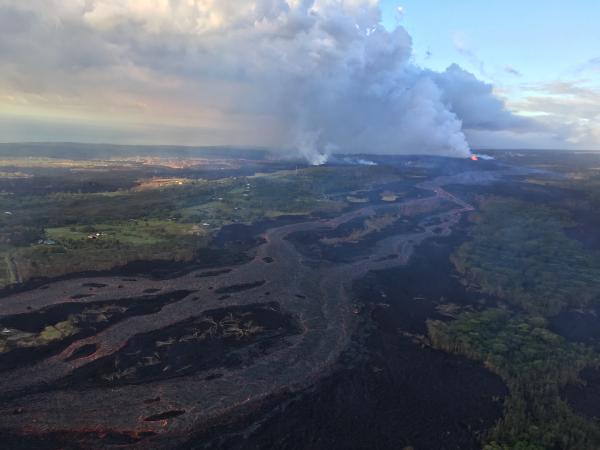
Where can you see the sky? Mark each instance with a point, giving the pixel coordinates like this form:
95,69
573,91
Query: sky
542,56
309,76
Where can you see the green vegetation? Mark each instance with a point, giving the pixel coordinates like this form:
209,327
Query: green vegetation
55,332
159,219
58,331
101,247
248,200
535,363
370,225
324,180
520,253
388,196
132,232
354,199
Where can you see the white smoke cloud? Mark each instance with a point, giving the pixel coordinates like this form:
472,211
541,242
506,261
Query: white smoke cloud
315,76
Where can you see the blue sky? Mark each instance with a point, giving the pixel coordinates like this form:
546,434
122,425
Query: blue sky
542,58
542,40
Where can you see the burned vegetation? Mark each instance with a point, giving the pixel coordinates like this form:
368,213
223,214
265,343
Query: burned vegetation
223,338
30,337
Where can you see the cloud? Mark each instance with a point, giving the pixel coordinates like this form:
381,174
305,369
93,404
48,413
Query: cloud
475,102
462,46
512,71
314,76
567,110
592,65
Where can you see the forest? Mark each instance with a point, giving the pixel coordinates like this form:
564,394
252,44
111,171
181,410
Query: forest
519,254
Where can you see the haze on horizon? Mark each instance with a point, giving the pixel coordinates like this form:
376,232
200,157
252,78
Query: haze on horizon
314,76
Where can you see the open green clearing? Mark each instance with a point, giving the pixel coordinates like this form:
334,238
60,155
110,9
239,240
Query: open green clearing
55,234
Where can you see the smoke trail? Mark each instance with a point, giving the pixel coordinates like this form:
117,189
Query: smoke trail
310,76
348,84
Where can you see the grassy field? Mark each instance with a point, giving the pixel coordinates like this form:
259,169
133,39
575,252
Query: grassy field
133,232
159,218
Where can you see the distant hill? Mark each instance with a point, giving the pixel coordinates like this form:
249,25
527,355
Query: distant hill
79,151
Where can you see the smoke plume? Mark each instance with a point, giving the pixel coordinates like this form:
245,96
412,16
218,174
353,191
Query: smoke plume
310,76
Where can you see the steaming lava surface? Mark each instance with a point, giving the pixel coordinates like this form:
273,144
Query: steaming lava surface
308,330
